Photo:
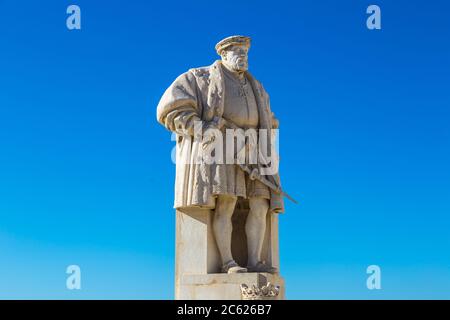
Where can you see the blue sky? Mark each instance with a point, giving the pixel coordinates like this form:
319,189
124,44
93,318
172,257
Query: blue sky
85,169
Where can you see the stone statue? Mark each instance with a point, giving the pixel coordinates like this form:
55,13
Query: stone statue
207,95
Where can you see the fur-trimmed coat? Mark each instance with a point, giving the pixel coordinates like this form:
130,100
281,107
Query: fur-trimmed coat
198,95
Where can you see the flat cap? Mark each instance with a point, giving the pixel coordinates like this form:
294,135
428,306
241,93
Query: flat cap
233,40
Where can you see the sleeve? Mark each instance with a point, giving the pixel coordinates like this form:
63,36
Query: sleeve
274,120
178,108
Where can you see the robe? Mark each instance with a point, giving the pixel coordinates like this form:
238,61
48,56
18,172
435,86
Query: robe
198,95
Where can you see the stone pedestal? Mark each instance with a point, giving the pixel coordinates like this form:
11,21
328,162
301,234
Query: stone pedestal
198,263
220,286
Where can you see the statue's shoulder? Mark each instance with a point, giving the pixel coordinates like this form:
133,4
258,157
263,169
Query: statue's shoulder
202,76
200,72
193,76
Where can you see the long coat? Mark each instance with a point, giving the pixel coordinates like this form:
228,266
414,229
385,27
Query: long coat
198,95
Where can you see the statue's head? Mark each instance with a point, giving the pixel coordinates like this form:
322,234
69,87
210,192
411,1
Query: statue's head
234,52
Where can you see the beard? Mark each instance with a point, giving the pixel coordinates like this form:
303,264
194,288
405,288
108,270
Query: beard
238,64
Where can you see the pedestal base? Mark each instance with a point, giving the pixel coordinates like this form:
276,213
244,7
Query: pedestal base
222,286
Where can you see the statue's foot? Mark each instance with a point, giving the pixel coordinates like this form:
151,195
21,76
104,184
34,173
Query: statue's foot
232,267
262,267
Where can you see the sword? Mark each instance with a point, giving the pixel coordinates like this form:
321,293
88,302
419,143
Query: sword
252,173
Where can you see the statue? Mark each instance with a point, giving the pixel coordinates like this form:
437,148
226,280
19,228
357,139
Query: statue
219,98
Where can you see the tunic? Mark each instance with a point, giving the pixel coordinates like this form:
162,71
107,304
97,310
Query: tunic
241,108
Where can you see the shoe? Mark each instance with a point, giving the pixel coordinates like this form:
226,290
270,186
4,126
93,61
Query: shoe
232,267
262,267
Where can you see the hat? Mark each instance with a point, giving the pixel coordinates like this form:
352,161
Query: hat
233,40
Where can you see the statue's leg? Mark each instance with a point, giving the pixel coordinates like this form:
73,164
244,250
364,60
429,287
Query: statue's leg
255,228
223,227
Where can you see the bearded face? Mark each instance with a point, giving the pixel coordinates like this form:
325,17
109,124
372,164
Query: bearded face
236,58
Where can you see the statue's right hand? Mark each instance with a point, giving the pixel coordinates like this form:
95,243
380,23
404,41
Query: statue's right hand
215,123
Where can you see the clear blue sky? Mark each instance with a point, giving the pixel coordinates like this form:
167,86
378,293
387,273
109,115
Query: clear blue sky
85,169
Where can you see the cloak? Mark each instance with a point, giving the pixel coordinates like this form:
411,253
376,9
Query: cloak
198,95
